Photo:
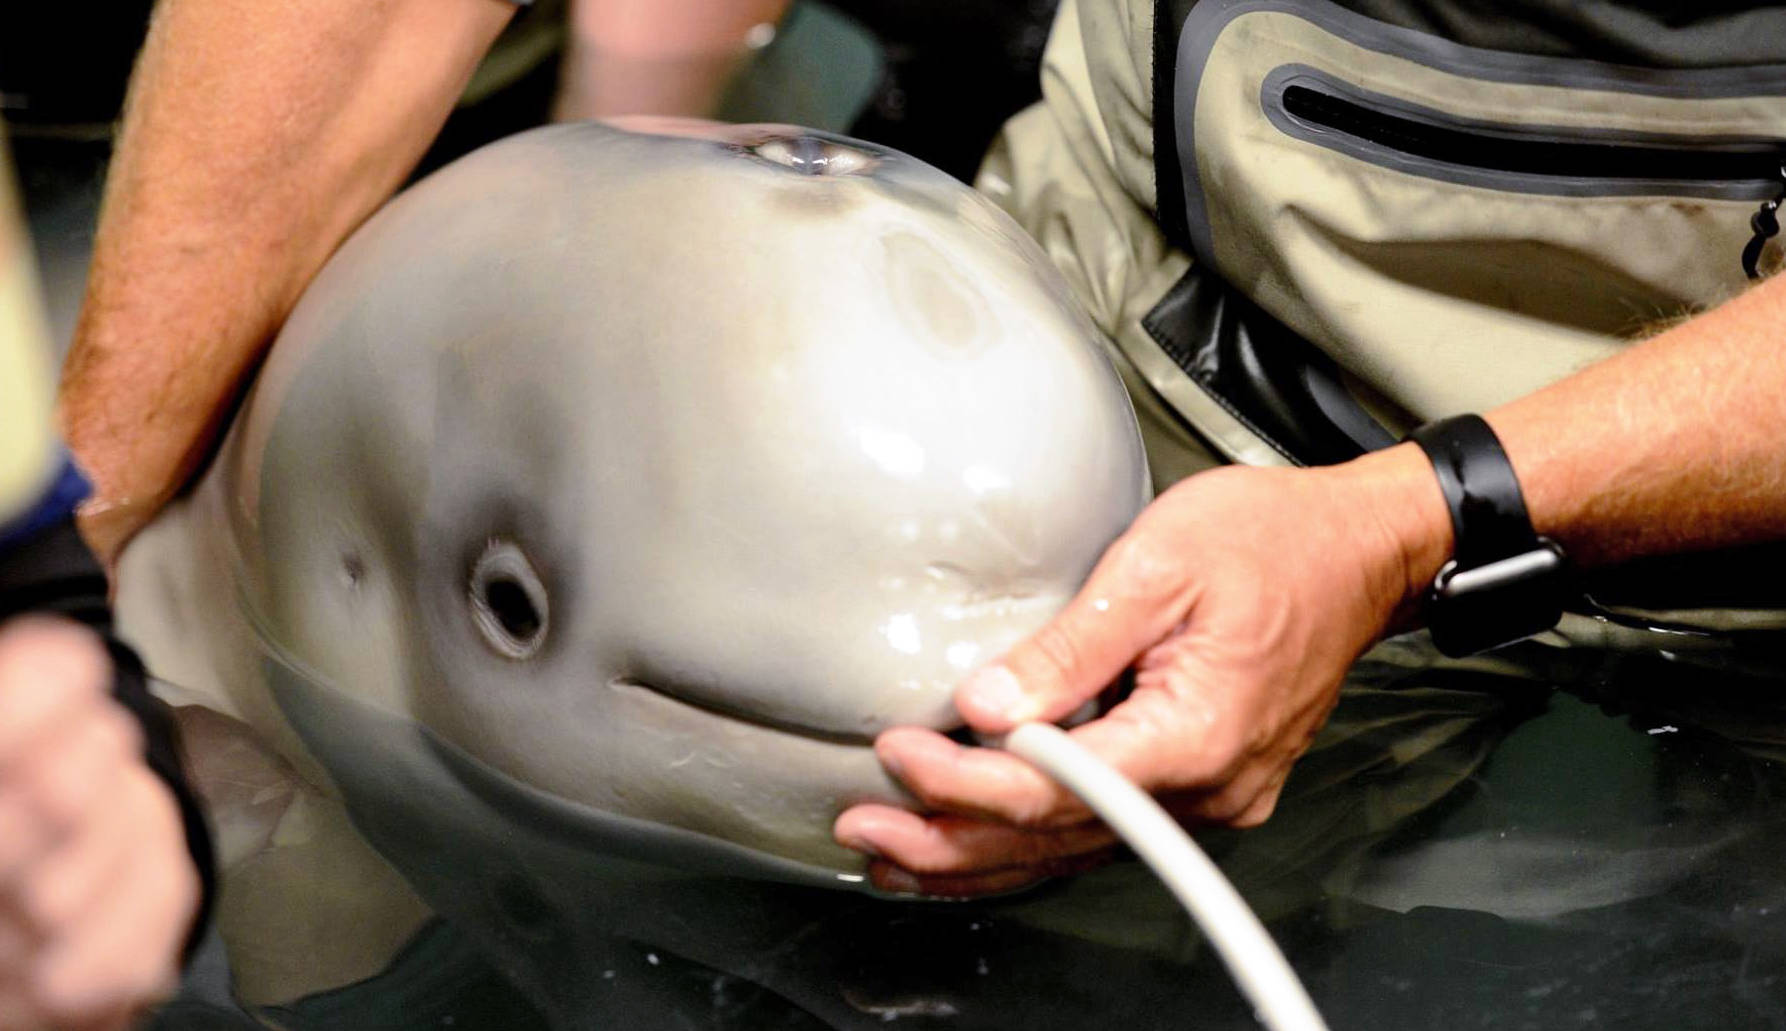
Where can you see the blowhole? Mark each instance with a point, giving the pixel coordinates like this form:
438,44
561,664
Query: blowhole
810,155
508,601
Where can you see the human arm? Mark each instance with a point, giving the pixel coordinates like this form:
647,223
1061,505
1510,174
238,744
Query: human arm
255,138
1242,596
649,57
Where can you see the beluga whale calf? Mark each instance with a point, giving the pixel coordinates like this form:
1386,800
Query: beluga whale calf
601,500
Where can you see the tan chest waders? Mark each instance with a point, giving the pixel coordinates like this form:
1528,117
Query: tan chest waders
1454,226
1309,226
1429,228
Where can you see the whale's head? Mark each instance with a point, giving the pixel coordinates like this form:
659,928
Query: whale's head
659,473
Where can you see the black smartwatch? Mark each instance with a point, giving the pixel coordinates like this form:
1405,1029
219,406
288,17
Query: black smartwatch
1504,581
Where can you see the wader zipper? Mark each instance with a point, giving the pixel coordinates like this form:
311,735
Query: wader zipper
1766,224
1548,155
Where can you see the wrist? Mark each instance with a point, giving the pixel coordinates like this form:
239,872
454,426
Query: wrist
1504,582
106,525
1396,491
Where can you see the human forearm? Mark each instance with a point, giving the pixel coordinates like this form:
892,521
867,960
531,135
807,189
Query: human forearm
628,57
256,137
1674,445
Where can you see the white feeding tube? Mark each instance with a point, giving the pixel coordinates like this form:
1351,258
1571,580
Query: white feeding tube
1253,959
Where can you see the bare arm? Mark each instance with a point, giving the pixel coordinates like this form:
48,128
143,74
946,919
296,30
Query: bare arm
256,137
1242,596
654,57
1677,444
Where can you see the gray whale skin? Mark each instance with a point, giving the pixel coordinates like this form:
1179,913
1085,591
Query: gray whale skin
620,487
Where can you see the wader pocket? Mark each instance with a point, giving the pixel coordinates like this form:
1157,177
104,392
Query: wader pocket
1311,106
1315,107
1457,227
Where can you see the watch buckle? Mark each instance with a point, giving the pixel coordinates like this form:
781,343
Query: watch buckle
1544,560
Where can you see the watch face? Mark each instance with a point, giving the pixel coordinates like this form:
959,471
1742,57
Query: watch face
1473,610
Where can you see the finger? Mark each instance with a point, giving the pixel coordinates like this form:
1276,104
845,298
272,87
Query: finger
956,845
16,944
1163,739
1189,736
1221,806
16,1011
1157,741
1135,597
60,890
982,782
117,1020
65,777
24,836
50,671
107,525
1262,807
126,955
888,877
49,792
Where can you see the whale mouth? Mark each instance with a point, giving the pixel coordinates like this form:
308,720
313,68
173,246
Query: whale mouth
692,701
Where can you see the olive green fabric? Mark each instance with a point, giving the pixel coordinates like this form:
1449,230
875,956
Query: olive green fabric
27,449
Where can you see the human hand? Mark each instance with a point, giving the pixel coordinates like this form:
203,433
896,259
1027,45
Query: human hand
106,526
1241,597
97,892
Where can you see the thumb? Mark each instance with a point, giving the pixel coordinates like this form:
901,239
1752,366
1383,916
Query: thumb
1075,655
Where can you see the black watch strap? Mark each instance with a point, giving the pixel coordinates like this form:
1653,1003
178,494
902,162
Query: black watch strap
1504,581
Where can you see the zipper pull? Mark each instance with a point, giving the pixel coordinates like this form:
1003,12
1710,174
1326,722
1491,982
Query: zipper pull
1766,224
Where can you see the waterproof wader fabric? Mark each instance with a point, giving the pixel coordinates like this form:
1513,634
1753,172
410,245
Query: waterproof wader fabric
1348,219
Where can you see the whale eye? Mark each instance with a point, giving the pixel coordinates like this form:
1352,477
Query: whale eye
810,155
508,601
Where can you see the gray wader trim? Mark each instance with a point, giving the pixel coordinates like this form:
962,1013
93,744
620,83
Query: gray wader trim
1271,99
1207,18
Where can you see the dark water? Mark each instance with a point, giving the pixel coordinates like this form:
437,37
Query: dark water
1572,841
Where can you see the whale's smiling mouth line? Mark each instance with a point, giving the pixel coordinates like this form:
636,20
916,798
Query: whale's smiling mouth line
733,715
